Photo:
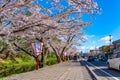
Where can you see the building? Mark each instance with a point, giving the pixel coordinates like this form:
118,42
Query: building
116,46
105,49
100,50
93,52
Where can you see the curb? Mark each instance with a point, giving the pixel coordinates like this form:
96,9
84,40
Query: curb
92,74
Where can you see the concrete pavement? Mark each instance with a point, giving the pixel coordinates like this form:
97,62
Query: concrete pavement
69,70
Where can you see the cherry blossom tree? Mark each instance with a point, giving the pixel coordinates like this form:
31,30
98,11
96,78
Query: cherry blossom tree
32,20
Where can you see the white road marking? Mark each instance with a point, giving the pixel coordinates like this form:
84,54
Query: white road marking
104,72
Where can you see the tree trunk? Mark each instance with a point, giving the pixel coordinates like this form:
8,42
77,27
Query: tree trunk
43,56
62,57
42,62
58,59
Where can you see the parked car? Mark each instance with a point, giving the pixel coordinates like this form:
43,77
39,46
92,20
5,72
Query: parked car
95,58
90,58
103,58
114,62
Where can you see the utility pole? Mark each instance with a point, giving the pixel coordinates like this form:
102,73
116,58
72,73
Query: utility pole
110,42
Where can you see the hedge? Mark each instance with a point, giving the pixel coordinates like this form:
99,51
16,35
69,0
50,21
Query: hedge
51,62
9,69
6,70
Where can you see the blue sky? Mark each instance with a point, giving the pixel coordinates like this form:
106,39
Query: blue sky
107,23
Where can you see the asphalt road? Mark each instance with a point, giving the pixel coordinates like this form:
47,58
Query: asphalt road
101,70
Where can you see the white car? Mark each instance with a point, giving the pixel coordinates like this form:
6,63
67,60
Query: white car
114,62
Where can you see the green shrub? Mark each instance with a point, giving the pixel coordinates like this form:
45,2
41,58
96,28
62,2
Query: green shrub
51,60
6,70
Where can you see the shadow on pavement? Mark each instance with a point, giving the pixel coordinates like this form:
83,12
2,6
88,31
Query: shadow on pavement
104,71
99,63
112,72
82,63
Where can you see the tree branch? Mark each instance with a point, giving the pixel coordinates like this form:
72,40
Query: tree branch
24,50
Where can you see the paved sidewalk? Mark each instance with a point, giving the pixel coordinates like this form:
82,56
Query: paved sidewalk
63,71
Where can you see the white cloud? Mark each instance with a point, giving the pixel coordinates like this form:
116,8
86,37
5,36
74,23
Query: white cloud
90,36
83,47
87,48
92,47
85,37
106,39
107,42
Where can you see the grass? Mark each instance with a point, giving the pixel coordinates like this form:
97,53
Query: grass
21,66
